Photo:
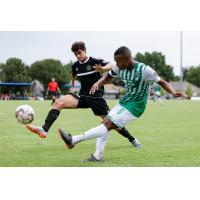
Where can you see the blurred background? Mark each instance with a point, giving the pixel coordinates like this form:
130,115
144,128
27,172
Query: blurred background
27,56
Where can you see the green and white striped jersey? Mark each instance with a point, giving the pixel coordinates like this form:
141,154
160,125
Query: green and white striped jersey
137,83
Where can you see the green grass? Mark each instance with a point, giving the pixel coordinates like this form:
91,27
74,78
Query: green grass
170,135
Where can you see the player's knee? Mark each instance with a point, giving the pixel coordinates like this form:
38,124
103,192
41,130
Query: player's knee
108,124
59,104
119,129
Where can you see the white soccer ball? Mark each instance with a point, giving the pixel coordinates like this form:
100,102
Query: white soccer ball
24,114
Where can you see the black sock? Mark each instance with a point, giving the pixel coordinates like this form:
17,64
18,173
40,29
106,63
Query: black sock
53,101
51,117
126,134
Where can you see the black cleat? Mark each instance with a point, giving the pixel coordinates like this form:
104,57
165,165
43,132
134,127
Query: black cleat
92,158
67,138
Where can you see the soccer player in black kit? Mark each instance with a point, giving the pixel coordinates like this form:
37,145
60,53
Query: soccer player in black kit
89,71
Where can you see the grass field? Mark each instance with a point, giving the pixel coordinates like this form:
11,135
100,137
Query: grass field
170,135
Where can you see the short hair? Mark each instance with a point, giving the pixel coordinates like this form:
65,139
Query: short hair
123,51
78,46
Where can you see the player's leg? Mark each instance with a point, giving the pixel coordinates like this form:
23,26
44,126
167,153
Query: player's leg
118,117
64,102
53,98
100,108
100,145
160,100
134,141
96,132
101,142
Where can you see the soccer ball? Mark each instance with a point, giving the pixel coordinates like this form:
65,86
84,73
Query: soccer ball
24,114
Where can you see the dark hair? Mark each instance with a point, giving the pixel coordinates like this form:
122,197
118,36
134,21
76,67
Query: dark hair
123,51
78,46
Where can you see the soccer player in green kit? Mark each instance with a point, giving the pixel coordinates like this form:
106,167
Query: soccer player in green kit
138,77
157,93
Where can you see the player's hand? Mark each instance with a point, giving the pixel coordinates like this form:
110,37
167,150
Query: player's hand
94,88
98,68
179,94
73,89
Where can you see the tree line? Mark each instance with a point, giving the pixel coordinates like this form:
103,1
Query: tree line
15,70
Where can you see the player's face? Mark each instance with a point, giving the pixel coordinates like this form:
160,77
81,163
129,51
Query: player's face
81,55
122,61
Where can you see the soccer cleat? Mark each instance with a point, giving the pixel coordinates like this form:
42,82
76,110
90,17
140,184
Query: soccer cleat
37,129
67,138
136,143
92,158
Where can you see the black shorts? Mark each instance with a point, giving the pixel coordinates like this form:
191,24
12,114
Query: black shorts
98,104
52,94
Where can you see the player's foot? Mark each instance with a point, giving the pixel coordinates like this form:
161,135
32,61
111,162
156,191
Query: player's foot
136,143
37,129
92,158
67,138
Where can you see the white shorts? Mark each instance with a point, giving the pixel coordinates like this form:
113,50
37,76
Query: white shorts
120,116
157,93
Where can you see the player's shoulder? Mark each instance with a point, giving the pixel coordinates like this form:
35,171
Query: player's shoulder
75,64
98,60
140,64
95,59
144,67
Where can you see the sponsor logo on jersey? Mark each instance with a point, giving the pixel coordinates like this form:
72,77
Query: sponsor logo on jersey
88,67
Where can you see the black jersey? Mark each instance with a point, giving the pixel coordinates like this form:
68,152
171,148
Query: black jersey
88,76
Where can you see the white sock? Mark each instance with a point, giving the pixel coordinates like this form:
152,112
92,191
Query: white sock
92,133
101,142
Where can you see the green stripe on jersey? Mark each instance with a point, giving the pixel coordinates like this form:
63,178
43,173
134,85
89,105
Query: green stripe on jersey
137,90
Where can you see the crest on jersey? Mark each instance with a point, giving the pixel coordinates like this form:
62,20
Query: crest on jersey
137,78
88,67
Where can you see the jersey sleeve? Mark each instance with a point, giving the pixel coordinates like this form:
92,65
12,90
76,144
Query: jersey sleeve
114,72
150,75
74,71
101,62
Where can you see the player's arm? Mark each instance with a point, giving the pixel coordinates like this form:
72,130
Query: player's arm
73,79
150,75
102,69
47,91
105,79
74,74
102,81
58,90
166,86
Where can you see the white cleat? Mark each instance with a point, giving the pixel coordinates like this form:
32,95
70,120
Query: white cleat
136,143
